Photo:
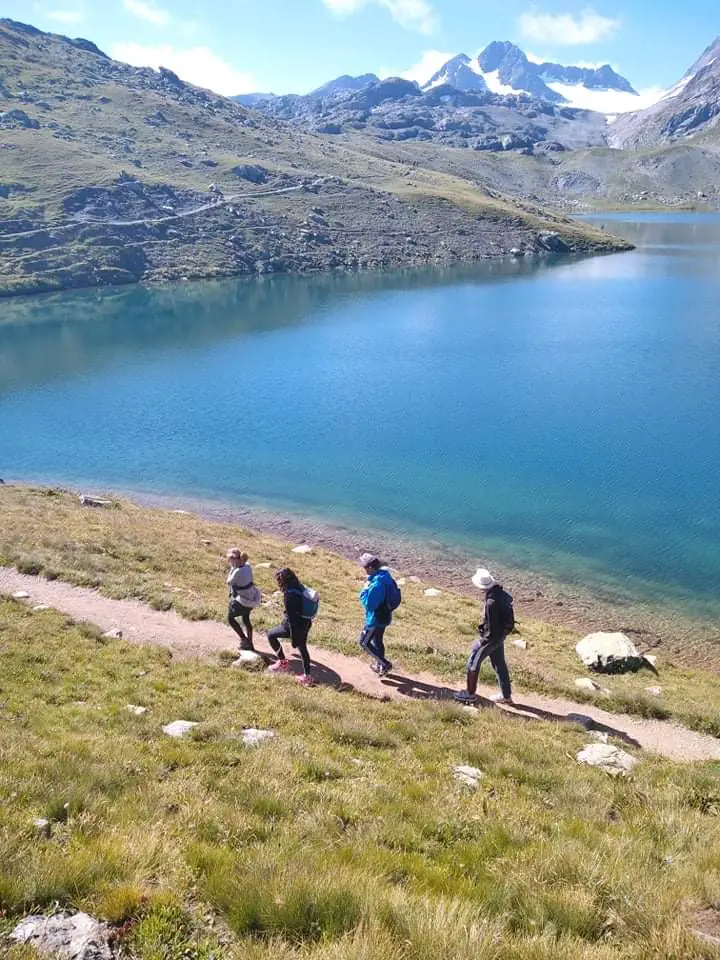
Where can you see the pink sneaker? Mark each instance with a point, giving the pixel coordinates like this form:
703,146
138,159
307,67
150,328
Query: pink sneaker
280,666
306,681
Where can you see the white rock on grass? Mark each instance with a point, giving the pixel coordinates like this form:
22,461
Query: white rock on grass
585,683
654,691
401,581
470,776
179,728
433,592
263,566
607,757
65,936
21,595
520,643
302,548
42,826
609,653
40,607
135,710
253,738
113,634
248,660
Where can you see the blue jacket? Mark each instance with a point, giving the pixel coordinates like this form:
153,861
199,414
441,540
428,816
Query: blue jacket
372,597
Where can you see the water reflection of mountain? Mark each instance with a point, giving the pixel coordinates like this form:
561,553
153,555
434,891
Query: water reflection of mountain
62,335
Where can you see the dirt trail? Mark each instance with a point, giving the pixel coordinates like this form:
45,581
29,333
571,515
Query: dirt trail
141,624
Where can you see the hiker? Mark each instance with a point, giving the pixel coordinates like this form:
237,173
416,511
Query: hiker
300,607
244,596
498,622
379,598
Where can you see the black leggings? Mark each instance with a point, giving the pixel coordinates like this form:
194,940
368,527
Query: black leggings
236,611
298,636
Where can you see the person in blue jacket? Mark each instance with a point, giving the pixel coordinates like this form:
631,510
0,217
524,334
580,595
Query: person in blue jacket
378,613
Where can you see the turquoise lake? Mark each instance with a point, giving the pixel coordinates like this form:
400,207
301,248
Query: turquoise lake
563,417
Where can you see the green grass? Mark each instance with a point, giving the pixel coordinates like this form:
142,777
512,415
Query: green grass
176,561
345,836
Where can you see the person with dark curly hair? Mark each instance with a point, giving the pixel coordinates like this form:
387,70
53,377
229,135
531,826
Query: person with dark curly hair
295,627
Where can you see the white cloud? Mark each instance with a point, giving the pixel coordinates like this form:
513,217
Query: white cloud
411,14
148,12
429,63
65,16
564,29
197,65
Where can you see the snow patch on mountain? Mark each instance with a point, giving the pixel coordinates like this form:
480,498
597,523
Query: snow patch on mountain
605,101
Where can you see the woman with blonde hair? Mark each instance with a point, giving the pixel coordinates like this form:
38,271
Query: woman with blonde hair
244,596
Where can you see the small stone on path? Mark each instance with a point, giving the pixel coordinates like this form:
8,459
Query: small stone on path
135,710
607,757
253,738
178,728
263,566
248,660
433,592
470,776
520,643
401,581
21,595
65,936
40,607
113,635
303,548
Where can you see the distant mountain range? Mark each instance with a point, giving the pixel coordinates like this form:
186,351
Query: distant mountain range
502,100
505,70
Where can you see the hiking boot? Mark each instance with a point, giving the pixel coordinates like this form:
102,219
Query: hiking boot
375,666
384,669
306,680
280,666
499,698
462,696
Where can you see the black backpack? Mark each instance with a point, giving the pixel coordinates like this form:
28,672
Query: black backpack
508,613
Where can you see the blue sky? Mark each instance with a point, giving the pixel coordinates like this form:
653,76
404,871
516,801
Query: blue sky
283,46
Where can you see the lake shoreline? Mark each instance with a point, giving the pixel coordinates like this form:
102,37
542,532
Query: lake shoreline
580,607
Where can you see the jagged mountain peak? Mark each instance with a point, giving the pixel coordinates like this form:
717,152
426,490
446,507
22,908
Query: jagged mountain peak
345,84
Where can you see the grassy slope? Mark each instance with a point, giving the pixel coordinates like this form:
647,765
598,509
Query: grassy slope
94,126
174,561
345,837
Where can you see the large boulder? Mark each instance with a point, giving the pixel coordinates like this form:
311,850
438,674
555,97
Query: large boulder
609,653
65,936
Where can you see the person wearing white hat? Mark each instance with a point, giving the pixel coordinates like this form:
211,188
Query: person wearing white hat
498,622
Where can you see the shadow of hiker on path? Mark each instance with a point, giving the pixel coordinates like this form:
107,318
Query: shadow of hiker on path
416,690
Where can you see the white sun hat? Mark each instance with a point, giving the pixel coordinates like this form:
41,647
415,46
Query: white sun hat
483,579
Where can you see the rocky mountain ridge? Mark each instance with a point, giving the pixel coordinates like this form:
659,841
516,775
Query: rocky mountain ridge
690,109
113,174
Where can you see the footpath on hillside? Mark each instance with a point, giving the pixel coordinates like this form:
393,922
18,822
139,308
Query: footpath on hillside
140,624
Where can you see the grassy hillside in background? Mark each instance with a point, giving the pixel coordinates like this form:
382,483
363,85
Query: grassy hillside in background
106,173
175,561
345,836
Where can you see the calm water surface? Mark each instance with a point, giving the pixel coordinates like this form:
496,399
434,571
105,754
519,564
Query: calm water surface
564,417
